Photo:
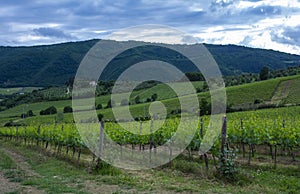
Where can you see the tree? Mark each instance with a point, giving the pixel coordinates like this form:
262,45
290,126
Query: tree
49,111
154,97
110,104
205,107
257,101
264,73
194,76
137,100
68,109
99,106
124,102
205,87
30,113
100,117
70,82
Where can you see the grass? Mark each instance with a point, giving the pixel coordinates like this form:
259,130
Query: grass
249,92
9,168
236,95
9,91
59,176
6,162
293,92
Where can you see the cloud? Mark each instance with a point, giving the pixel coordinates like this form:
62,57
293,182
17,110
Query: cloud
287,35
220,4
52,32
263,11
153,33
31,22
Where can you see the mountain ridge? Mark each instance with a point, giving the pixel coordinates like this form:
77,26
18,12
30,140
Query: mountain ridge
45,65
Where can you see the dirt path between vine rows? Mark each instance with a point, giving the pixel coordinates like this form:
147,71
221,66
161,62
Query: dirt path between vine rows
7,186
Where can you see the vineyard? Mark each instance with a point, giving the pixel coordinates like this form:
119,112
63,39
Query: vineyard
273,131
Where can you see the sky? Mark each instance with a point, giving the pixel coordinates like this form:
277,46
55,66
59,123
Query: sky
268,24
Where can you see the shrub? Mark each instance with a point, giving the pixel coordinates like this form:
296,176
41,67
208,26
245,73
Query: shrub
100,117
28,114
68,109
227,167
137,100
110,104
176,111
258,101
99,106
124,102
154,97
49,111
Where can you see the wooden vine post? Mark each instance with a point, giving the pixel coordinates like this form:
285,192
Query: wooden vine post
243,143
101,144
224,131
151,139
223,139
201,136
141,132
17,133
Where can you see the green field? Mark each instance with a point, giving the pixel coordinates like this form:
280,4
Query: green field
265,142
236,95
260,173
9,91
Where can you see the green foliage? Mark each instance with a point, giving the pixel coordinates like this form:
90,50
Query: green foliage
68,109
55,64
205,107
99,106
28,114
194,76
239,97
247,93
292,90
100,117
227,166
49,111
154,97
234,60
110,104
257,101
124,102
137,100
41,65
205,87
264,73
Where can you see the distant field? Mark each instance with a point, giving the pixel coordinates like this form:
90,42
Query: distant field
249,92
294,92
236,95
9,91
164,91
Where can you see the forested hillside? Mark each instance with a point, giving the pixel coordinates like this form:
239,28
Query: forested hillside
55,64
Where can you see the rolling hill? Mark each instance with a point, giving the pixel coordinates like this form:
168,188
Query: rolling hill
270,91
55,64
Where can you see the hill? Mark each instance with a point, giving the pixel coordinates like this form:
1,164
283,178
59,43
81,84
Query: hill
54,64
240,96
